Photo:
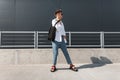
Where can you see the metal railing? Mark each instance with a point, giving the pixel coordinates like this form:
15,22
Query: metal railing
37,39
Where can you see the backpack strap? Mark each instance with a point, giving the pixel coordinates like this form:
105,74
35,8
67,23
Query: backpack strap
56,23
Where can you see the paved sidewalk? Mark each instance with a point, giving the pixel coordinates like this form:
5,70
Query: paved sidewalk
42,72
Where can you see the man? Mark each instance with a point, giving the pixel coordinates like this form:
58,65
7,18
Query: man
60,41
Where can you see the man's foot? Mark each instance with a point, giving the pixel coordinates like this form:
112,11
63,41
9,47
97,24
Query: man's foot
72,67
53,69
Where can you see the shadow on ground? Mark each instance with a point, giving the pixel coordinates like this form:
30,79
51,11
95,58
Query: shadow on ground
96,62
63,69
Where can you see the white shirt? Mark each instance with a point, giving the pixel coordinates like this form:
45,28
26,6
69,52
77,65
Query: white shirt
60,30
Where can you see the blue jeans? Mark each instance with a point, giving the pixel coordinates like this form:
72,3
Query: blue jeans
56,45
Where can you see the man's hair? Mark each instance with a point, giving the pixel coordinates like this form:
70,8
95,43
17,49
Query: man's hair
58,11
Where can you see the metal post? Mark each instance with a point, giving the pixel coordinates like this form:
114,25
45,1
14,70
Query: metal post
0,38
35,39
69,38
102,39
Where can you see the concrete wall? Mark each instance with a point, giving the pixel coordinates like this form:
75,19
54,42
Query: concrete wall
44,56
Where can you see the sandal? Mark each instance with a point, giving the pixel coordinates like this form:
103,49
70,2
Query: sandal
72,67
53,69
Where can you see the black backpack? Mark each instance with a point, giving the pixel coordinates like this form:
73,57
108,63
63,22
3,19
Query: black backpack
52,32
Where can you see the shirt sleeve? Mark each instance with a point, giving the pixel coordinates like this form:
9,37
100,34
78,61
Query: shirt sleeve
53,22
63,30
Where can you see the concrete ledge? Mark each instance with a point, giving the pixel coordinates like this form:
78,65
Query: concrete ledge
44,56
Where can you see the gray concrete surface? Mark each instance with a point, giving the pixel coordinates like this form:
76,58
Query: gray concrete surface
42,72
44,56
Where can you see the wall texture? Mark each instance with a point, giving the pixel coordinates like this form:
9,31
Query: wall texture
79,15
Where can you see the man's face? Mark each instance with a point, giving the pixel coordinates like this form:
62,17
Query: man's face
59,16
